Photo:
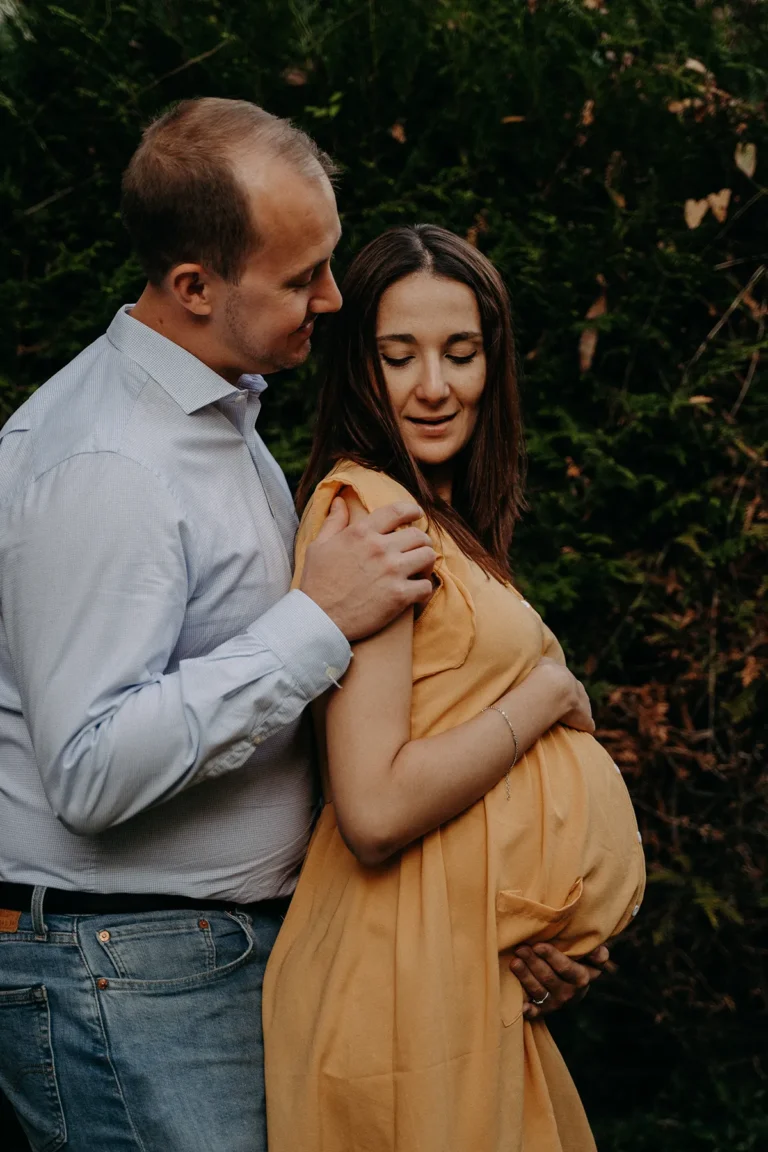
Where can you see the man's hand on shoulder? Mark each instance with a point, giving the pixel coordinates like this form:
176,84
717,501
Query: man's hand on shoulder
363,572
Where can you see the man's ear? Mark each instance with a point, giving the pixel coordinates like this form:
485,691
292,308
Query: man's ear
192,285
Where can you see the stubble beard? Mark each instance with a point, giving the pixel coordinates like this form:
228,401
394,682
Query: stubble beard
258,356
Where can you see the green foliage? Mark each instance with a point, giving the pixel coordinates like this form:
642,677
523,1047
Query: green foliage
564,138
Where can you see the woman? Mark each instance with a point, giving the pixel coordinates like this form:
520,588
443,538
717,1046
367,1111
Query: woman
468,808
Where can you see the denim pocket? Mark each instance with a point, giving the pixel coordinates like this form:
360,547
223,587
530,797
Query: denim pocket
169,952
27,1072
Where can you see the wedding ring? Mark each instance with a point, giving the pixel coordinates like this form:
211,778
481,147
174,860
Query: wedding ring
539,1003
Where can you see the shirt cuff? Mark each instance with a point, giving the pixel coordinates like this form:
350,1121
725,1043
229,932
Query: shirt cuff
307,642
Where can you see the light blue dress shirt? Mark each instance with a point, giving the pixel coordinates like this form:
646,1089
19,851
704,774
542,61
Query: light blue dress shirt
154,666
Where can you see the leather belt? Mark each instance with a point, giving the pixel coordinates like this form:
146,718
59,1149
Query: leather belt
18,898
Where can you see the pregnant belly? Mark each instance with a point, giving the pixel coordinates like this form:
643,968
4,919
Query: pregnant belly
563,846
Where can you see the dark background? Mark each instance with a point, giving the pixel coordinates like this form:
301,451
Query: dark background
565,138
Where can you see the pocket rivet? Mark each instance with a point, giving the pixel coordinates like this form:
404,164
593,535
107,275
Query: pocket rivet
102,983
202,924
104,936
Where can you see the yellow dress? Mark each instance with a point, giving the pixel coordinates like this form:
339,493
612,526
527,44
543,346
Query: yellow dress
392,1022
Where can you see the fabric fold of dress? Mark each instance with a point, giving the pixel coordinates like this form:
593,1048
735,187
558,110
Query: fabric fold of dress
392,1021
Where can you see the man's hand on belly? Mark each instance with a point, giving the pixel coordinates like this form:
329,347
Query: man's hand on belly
553,979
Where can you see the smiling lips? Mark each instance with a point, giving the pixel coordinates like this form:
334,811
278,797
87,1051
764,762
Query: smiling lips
432,421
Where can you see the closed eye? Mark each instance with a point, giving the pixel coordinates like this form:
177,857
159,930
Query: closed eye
311,275
395,362
463,359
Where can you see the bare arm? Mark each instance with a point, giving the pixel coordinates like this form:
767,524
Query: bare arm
389,789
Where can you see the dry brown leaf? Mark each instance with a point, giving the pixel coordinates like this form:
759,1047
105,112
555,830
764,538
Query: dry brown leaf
750,671
588,113
746,159
718,202
295,77
695,211
695,65
613,172
593,5
588,338
757,311
512,119
699,399
573,469
749,514
599,308
480,224
683,105
397,132
587,347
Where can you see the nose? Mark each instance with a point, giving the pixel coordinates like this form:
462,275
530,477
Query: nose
432,386
327,297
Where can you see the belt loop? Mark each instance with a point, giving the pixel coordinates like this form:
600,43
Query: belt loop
38,924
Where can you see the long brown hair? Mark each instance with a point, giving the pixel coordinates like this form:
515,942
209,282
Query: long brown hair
355,419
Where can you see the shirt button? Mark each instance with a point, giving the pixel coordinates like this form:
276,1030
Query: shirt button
332,672
102,983
104,936
636,909
202,924
256,740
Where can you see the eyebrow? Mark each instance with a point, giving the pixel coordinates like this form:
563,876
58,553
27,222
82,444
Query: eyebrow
408,338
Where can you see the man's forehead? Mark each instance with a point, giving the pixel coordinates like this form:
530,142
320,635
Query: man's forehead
295,214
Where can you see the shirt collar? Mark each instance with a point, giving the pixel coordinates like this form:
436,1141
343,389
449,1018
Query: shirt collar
186,379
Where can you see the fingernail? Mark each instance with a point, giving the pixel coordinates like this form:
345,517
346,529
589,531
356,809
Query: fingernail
540,950
517,966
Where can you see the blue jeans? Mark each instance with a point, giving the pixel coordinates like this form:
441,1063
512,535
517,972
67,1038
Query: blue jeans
136,1032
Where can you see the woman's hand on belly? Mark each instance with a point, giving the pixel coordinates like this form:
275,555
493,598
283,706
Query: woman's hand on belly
551,979
578,710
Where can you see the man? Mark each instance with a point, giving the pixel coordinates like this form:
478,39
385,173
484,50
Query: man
155,765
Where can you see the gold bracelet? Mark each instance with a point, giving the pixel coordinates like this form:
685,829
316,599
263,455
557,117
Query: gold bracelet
501,712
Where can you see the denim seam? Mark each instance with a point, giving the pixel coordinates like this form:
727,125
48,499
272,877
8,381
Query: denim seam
128,932
200,979
210,946
30,938
107,1048
45,1028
